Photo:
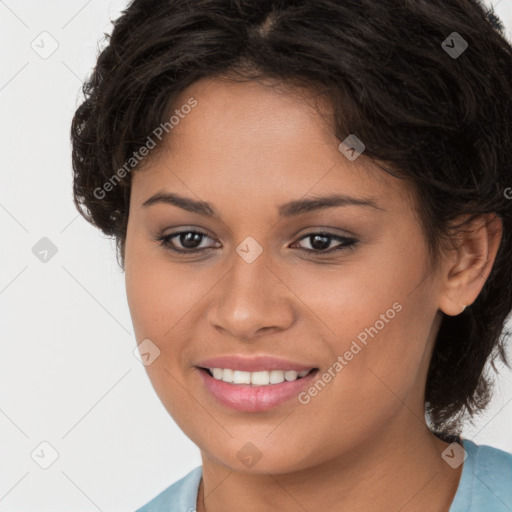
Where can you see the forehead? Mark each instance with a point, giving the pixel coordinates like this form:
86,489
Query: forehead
253,138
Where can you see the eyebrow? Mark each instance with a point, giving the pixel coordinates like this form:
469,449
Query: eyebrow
290,209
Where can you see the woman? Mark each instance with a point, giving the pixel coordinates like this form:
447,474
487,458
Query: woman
310,205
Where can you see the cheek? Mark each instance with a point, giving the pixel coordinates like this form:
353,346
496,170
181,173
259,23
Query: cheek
162,298
154,291
373,314
158,301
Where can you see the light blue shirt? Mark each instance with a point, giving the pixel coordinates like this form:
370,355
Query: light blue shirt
485,485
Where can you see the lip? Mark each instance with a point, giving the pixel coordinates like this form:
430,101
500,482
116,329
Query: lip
253,364
248,398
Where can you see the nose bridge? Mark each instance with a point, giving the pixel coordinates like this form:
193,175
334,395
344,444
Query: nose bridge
246,283
251,297
250,261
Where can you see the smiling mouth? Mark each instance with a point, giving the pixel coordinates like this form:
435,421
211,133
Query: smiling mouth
259,378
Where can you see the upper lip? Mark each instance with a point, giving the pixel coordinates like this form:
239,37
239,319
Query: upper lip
253,363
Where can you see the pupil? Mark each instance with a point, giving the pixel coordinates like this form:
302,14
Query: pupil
323,241
189,239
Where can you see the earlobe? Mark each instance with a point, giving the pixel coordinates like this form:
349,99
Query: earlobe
469,264
451,307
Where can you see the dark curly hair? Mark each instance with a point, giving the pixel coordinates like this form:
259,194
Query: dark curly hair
440,119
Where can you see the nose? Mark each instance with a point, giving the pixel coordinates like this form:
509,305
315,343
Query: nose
252,299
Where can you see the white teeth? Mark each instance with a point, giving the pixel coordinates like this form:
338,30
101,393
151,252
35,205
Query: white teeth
218,373
276,376
290,375
227,375
241,377
261,378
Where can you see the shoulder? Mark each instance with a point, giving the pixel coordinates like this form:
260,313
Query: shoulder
180,496
488,457
486,480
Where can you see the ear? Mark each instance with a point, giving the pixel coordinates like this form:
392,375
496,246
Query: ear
469,263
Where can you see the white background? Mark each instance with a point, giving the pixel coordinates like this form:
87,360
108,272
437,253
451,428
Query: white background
67,372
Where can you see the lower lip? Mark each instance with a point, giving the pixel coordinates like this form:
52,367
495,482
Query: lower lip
243,397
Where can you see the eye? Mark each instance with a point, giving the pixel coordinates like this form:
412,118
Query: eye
190,241
321,241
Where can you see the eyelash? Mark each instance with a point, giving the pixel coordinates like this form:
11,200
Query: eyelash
348,243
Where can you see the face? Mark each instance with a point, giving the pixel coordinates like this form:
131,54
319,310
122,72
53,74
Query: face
275,284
